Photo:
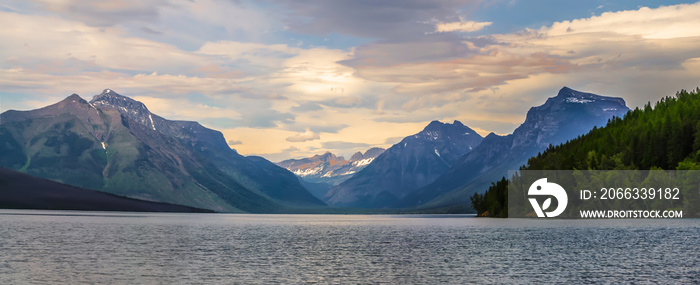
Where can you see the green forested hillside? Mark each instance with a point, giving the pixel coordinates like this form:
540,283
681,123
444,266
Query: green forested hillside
665,136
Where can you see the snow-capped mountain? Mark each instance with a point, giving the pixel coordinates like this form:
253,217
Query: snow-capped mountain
408,165
329,168
569,114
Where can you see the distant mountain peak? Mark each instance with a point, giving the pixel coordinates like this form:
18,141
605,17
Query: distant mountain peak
356,156
568,95
113,99
327,156
128,107
73,98
329,168
437,129
73,101
434,125
414,162
565,116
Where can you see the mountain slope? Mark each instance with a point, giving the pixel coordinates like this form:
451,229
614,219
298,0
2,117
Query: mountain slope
666,136
560,118
115,144
22,191
412,163
328,168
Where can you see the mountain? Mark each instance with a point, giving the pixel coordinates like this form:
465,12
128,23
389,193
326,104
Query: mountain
412,163
329,168
22,191
569,114
115,144
666,136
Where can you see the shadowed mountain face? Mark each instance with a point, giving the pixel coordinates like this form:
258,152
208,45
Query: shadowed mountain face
569,114
115,144
412,163
22,191
328,168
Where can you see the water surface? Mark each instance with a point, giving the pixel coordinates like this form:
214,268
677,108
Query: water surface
126,248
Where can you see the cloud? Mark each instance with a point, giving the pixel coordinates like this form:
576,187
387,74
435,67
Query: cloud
305,136
328,128
307,107
393,140
263,72
420,115
342,145
233,142
106,13
259,59
461,26
384,20
265,119
388,55
626,42
317,127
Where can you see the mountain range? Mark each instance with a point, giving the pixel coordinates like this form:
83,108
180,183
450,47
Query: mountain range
329,168
115,144
561,118
408,165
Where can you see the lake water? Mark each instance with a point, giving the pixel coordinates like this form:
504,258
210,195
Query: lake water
42,247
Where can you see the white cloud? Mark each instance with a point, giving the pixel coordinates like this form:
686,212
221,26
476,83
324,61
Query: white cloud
665,22
305,136
461,26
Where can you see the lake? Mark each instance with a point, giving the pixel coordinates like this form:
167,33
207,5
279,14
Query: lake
42,247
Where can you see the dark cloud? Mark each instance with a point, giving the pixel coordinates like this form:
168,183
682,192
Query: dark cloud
342,145
388,54
333,129
106,14
383,20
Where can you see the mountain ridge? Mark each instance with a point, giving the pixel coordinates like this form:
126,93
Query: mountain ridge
414,162
563,117
115,144
329,168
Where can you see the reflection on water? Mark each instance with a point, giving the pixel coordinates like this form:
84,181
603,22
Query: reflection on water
128,248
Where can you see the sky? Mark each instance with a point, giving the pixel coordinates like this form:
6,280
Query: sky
290,79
